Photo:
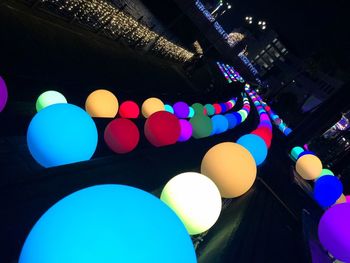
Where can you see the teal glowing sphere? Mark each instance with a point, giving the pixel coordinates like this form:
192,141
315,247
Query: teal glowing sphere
61,134
295,152
255,145
191,114
108,223
168,108
48,98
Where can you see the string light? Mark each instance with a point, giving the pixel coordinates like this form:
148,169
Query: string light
104,17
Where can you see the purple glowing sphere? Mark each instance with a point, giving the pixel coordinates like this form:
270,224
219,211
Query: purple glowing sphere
181,109
185,130
3,94
334,231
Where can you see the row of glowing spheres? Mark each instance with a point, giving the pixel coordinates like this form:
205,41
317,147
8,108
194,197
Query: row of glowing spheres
276,119
229,73
61,133
333,228
101,223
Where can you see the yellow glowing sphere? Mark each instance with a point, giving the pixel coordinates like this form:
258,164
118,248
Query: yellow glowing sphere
102,104
309,166
151,105
195,199
231,167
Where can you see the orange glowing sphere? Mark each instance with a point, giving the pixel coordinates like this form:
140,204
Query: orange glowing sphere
151,105
102,104
231,167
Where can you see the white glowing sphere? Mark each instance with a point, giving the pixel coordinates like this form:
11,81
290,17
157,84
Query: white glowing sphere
195,199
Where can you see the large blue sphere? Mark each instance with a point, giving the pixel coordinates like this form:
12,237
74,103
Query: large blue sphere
61,134
327,190
108,223
255,145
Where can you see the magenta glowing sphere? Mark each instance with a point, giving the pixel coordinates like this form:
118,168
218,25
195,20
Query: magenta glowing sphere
3,94
181,109
185,130
264,117
334,231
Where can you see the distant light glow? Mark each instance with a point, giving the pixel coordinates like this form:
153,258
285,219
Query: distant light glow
3,94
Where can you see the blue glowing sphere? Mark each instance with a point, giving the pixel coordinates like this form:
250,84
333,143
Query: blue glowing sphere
220,124
168,108
304,153
238,117
327,190
255,145
61,134
223,107
108,223
232,120
287,131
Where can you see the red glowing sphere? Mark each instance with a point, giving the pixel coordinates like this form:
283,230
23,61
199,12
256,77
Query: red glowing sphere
129,110
265,133
162,128
217,108
121,135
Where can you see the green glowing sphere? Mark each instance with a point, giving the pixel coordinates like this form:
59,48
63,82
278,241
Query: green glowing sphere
49,98
195,199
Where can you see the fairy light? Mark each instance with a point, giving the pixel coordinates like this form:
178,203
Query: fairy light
103,16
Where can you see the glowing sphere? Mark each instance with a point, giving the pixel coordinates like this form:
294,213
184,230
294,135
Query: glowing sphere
186,130
265,133
162,128
255,145
347,198
217,108
238,117
210,109
102,104
150,106
191,113
334,231
287,131
327,190
305,153
121,135
61,134
3,94
326,172
198,109
103,224
129,110
295,152
223,107
264,117
220,124
309,167
49,98
243,114
181,109
231,167
341,199
195,199
232,120
202,126
168,108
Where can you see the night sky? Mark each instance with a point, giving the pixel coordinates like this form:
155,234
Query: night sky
304,25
